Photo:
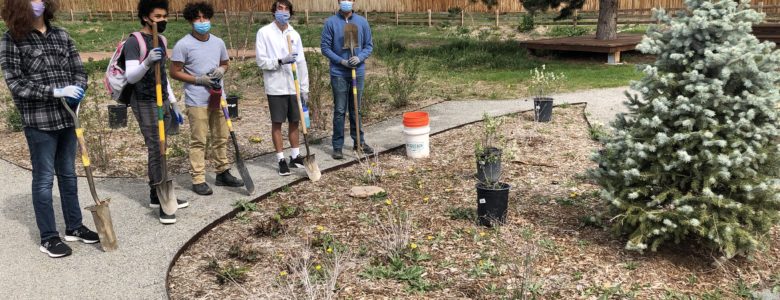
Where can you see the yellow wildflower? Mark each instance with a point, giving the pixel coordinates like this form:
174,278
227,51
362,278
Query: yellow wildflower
329,250
481,233
389,202
368,171
430,237
573,195
413,246
282,273
317,267
426,199
320,228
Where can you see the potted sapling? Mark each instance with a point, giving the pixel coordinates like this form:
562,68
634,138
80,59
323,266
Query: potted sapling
543,84
492,194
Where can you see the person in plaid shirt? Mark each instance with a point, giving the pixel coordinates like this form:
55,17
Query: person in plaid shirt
41,66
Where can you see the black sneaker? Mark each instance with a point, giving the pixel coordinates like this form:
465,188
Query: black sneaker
166,218
366,149
154,202
227,179
54,247
202,189
297,162
82,234
284,170
337,154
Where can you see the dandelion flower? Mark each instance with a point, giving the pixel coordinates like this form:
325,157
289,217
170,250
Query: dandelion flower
368,171
318,267
573,195
389,202
413,246
283,273
430,237
426,199
320,228
329,250
481,233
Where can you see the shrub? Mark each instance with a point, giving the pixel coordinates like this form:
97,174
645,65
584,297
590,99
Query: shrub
526,23
403,81
567,31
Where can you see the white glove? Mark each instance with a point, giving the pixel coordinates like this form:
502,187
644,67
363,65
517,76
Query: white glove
217,74
203,80
154,56
70,91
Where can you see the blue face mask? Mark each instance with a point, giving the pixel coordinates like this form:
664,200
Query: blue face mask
282,17
38,8
346,6
202,27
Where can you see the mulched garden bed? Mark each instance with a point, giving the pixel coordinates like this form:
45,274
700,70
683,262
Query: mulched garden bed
555,244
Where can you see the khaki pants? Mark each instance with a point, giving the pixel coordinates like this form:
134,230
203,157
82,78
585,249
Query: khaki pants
202,122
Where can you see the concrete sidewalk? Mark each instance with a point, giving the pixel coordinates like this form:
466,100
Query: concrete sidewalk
138,269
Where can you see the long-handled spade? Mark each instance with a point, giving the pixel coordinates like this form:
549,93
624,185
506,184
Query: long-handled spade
309,162
164,188
248,183
350,40
100,213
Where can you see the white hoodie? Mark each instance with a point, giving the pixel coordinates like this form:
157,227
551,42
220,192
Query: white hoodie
271,46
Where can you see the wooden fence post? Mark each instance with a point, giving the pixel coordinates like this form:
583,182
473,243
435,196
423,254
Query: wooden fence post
230,36
90,14
430,22
396,17
576,16
761,6
366,13
462,17
307,17
72,19
497,23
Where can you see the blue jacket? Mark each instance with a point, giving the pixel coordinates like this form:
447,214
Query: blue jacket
333,42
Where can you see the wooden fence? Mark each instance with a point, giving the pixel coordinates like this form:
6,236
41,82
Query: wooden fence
402,6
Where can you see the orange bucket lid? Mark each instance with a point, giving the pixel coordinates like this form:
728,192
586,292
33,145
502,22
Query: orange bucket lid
416,119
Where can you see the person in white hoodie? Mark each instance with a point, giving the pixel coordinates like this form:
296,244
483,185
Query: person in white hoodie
274,58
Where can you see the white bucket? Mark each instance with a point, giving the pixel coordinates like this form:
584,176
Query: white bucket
418,143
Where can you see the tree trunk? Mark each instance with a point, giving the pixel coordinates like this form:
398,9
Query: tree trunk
607,27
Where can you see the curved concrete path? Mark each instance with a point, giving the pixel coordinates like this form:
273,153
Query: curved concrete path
138,269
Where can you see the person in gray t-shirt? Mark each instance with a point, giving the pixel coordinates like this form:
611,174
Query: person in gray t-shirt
199,59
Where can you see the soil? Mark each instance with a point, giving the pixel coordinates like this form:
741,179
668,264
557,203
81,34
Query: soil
555,244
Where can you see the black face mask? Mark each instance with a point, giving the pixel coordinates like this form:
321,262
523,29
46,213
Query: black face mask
160,26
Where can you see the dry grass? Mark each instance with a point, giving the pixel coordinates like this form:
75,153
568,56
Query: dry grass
553,246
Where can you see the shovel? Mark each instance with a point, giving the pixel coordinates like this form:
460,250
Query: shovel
164,188
248,183
309,162
100,213
350,39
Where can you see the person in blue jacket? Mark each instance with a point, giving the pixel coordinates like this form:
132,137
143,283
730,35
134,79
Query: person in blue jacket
341,64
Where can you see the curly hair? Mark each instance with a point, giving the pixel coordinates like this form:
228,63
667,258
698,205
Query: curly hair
18,16
286,3
145,7
191,10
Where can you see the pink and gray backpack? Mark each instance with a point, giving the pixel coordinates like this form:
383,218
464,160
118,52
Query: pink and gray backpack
115,79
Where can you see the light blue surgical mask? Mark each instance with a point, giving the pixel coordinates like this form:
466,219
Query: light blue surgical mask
38,8
282,17
202,27
346,6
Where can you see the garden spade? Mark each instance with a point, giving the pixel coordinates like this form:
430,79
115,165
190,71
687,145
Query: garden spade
100,213
164,188
309,162
350,40
216,89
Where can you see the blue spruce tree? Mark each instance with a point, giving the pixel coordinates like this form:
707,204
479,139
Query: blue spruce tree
696,158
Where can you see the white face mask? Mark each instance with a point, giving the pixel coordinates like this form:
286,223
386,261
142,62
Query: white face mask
346,6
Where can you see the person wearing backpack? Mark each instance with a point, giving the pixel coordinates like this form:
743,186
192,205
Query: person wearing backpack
41,66
274,58
200,59
140,73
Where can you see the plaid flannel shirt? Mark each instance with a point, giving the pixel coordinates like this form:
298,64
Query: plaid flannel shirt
34,67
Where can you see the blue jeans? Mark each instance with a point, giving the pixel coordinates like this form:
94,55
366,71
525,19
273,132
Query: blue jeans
343,98
53,152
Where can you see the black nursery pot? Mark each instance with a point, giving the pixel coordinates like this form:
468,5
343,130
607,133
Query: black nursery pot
543,108
492,202
489,170
232,104
117,116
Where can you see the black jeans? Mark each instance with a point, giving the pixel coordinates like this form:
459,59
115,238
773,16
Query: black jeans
53,152
145,112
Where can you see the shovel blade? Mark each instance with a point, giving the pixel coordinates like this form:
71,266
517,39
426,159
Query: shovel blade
350,36
312,169
167,197
105,227
248,183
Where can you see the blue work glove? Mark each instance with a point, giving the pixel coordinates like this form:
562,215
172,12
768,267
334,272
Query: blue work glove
154,56
304,98
177,114
354,61
289,59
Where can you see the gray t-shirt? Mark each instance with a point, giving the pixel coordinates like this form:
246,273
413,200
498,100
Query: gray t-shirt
199,58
